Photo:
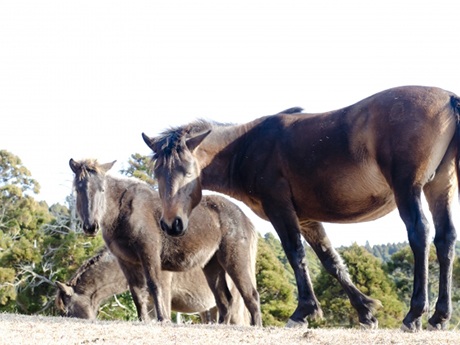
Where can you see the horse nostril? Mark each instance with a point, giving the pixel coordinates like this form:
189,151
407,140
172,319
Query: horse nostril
164,226
178,226
90,229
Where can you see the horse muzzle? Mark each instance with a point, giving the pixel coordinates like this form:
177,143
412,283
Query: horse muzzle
177,228
90,229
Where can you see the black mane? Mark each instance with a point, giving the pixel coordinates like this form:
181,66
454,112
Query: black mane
86,265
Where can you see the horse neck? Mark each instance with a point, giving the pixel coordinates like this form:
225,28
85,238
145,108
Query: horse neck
217,154
114,190
100,278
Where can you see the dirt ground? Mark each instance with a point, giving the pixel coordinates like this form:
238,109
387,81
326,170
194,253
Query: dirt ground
40,330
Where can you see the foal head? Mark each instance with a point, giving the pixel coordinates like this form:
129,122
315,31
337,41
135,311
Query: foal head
89,183
177,171
71,304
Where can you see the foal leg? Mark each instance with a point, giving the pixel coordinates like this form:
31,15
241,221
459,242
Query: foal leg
138,289
439,194
315,235
234,261
409,204
284,220
158,288
215,276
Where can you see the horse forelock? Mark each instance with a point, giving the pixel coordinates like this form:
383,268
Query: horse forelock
171,142
87,166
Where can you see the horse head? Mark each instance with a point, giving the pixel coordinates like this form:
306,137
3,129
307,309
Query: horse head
89,184
178,175
70,304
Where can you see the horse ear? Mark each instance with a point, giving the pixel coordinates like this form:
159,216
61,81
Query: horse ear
75,166
107,166
149,141
193,142
67,289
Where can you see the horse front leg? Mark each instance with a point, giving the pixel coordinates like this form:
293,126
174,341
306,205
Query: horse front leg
285,222
138,289
410,210
215,276
158,283
316,236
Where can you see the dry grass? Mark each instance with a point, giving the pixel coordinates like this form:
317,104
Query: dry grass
39,330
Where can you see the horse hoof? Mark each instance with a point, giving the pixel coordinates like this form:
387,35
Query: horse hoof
412,329
296,324
442,326
370,326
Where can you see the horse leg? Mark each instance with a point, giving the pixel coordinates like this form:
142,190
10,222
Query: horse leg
409,205
138,289
231,260
158,289
316,236
285,222
439,194
215,276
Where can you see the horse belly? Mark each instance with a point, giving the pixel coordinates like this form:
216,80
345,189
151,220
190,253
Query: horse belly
350,194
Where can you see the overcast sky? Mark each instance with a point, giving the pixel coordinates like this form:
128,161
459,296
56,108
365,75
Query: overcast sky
81,79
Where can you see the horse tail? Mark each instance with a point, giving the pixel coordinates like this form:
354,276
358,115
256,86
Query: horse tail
455,102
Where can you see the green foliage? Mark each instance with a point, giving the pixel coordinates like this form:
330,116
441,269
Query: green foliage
385,251
277,296
140,167
20,222
369,277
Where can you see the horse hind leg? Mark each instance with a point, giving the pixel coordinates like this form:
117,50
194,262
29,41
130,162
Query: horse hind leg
316,237
408,200
439,194
215,276
240,274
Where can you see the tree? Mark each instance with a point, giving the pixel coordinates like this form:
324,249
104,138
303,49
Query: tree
369,277
277,296
20,220
140,167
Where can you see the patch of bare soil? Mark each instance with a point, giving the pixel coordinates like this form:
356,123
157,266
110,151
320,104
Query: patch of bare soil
40,330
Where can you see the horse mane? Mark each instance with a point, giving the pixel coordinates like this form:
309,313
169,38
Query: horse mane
171,142
293,110
86,265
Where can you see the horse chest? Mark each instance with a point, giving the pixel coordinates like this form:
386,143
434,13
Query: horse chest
175,258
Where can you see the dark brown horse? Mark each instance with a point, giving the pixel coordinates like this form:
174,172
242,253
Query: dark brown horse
221,240
100,277
354,164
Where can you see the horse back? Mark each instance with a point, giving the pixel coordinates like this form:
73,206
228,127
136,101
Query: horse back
340,166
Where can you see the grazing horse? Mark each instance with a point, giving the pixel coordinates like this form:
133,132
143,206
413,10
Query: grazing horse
100,277
221,240
353,164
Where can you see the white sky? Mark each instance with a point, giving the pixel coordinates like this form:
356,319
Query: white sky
82,79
